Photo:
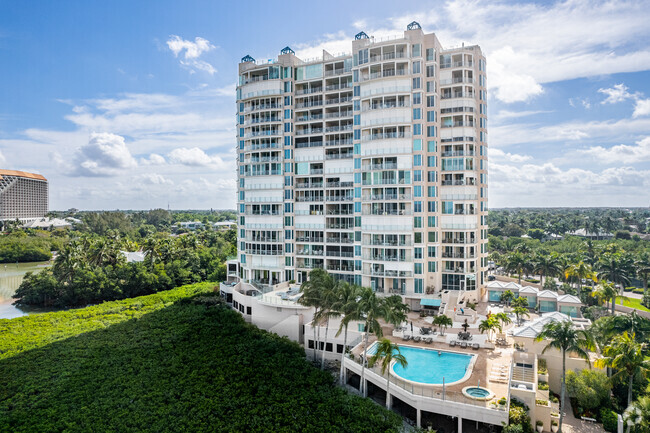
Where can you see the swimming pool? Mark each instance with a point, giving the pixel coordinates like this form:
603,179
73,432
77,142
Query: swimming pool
427,366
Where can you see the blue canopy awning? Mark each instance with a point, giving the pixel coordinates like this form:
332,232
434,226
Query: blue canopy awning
430,302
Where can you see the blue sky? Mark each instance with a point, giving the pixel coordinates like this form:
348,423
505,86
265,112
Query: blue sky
130,105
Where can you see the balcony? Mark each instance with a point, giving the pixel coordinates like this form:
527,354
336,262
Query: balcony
338,156
308,131
457,95
376,197
386,135
338,100
262,107
387,56
339,114
306,104
309,198
342,240
384,166
340,268
308,118
339,128
309,91
345,141
337,86
309,185
262,133
457,124
340,198
309,239
457,153
458,241
465,64
333,72
309,144
340,184
340,254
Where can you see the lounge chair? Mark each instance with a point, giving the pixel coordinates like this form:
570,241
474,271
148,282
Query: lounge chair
406,337
417,338
475,346
428,340
452,343
463,345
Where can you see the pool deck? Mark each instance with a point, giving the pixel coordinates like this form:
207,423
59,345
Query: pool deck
486,359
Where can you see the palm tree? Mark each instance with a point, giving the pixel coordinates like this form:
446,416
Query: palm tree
312,297
370,309
615,268
443,321
605,291
627,356
520,308
507,297
489,325
515,263
642,269
346,305
395,310
503,318
580,271
564,337
638,414
631,323
387,352
546,265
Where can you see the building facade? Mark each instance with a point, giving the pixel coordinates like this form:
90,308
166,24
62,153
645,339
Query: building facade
371,165
23,196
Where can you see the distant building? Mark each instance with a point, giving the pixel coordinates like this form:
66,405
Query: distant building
23,196
189,225
47,223
131,257
224,225
593,236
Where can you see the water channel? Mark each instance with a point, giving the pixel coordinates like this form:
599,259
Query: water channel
11,275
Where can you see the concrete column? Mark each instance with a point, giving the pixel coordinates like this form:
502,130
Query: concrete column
460,425
418,418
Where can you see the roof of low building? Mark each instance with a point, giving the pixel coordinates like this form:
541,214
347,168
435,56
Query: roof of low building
21,174
534,328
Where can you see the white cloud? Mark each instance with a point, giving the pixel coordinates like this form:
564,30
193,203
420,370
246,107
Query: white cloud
154,159
622,153
617,93
105,154
191,51
153,179
193,157
641,108
2,158
507,114
582,101
539,185
500,155
527,44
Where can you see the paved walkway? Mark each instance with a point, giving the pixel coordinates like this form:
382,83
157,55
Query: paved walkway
574,425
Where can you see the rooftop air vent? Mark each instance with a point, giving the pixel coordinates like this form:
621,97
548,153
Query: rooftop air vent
287,50
361,35
247,58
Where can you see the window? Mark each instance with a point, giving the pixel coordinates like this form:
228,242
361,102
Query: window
431,221
431,266
416,50
431,252
418,268
417,191
431,146
417,113
431,191
287,100
417,206
447,207
417,129
417,98
287,86
431,161
417,175
431,116
417,161
417,144
418,285
431,131
431,101
431,86
417,83
431,54
363,56
431,71
287,114
418,253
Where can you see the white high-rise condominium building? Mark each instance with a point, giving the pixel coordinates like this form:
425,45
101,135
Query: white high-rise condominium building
371,165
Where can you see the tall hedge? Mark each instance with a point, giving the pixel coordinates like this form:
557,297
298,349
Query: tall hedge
174,361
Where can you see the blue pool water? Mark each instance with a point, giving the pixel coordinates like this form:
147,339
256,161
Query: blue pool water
426,366
478,392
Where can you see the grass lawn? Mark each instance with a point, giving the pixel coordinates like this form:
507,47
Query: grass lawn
634,303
